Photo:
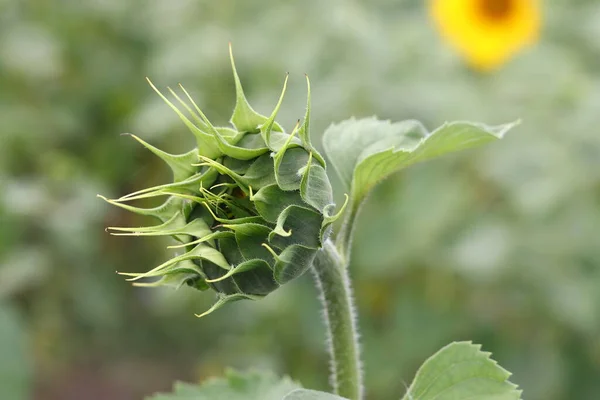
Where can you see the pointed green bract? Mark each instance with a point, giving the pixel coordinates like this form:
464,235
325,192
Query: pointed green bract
461,371
244,118
181,164
250,206
173,227
188,185
238,269
304,131
207,145
163,212
267,128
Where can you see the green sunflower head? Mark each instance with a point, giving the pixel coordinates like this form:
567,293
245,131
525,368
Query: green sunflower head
249,207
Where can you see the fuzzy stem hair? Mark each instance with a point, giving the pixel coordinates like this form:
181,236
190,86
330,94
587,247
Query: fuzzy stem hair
332,281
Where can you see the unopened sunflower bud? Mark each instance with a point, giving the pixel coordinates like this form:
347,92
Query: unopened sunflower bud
250,206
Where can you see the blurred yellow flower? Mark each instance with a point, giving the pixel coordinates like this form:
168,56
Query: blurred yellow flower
487,32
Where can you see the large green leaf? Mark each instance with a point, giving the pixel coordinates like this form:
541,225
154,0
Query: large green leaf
366,151
234,386
461,371
15,370
305,394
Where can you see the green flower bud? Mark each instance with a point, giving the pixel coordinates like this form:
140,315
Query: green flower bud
250,206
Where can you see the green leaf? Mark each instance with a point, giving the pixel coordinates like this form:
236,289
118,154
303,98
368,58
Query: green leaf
365,152
15,369
234,386
305,394
461,371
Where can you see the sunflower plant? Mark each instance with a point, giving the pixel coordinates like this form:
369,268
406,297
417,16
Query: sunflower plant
251,208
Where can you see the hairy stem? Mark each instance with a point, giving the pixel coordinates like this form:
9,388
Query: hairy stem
344,237
332,281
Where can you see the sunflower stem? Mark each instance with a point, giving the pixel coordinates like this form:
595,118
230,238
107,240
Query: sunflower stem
344,237
331,278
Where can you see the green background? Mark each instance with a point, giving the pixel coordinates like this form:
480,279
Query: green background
500,245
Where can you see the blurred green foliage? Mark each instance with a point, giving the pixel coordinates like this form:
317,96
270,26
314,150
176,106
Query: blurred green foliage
500,245
15,368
